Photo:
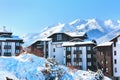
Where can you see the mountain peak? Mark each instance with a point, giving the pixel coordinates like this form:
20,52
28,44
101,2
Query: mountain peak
95,29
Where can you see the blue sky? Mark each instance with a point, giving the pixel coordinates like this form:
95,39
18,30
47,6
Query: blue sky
30,16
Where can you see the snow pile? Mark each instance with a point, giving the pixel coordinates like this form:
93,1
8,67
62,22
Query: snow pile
31,67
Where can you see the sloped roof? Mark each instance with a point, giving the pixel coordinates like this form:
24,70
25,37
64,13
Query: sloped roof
75,34
77,43
71,34
104,44
115,37
11,38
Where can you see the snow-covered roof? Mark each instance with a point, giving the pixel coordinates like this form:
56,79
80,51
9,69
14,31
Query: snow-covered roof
45,39
12,38
118,35
42,39
105,44
76,43
72,34
75,34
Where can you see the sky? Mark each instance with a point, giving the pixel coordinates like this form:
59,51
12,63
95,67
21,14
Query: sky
32,16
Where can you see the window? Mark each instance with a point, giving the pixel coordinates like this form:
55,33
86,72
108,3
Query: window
80,55
115,61
9,50
80,63
114,44
17,44
115,70
5,51
101,53
59,37
102,69
17,51
41,43
74,55
68,64
106,62
89,56
106,69
7,43
89,48
68,48
74,63
53,49
115,53
78,48
101,62
0,43
89,63
69,56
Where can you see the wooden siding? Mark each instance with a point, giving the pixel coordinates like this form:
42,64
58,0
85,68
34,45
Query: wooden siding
104,60
64,37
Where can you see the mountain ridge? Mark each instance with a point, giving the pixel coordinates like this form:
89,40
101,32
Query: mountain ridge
95,29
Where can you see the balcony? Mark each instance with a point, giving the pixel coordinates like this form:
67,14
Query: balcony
77,51
7,54
77,59
68,60
68,52
7,47
17,47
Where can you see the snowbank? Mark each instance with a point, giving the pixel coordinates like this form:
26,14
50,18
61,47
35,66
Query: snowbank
31,67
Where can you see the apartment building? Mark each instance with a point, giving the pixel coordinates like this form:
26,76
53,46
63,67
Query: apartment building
58,44
10,45
108,58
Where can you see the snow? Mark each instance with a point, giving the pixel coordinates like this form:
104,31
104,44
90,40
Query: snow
30,67
95,29
105,44
76,43
75,34
74,22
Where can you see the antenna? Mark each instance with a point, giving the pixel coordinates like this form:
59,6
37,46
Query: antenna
4,27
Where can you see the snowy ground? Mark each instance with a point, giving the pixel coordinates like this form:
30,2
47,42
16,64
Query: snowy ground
31,67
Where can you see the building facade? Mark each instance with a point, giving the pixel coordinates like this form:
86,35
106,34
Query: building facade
60,46
108,58
80,55
10,45
105,58
116,58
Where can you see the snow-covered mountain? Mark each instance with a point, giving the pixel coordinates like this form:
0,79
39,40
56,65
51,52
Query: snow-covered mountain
95,29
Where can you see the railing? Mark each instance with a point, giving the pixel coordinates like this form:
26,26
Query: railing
7,47
7,54
77,51
77,59
68,60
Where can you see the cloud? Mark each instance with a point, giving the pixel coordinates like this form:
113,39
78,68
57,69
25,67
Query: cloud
109,23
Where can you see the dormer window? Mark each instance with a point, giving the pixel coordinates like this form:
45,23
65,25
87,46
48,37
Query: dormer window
59,37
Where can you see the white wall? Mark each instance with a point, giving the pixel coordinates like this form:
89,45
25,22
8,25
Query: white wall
3,48
64,54
50,48
84,59
13,48
117,57
59,52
